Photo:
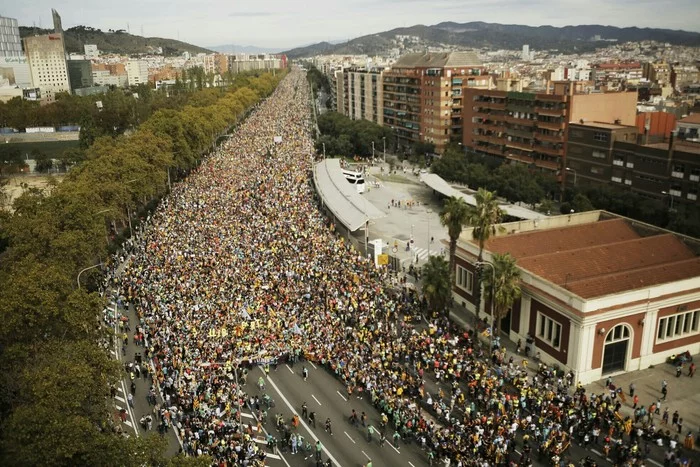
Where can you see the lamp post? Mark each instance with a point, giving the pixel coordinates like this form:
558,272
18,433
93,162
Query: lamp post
430,211
87,269
102,212
569,169
324,149
372,151
384,155
668,193
128,209
493,284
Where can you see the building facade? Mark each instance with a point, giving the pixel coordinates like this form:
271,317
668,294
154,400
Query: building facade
47,63
422,92
363,94
601,294
80,74
10,43
14,66
605,154
137,72
531,128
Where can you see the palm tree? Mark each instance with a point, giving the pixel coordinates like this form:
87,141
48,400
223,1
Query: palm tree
454,216
484,218
506,287
436,283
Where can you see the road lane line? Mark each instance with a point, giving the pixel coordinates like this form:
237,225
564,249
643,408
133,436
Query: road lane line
346,434
293,410
597,452
312,364
290,370
409,463
316,399
655,463
394,447
368,458
120,399
341,396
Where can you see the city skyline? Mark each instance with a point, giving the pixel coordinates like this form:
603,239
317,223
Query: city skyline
277,24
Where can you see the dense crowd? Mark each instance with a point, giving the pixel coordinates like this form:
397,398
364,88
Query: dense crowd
238,266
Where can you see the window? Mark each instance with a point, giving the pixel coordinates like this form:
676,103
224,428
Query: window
548,330
678,325
465,279
600,136
598,154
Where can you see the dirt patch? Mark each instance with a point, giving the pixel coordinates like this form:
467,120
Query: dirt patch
17,185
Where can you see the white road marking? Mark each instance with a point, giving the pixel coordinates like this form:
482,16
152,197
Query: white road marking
346,434
655,463
274,456
368,458
394,447
301,420
247,415
341,396
290,370
120,398
409,463
312,364
128,423
597,452
316,399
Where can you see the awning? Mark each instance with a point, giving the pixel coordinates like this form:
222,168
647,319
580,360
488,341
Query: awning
438,184
341,197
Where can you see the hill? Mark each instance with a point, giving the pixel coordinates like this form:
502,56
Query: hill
244,49
118,42
502,36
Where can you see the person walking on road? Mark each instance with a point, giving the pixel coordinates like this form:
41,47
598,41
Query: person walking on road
328,426
318,450
691,370
370,432
632,389
305,373
130,399
312,419
304,410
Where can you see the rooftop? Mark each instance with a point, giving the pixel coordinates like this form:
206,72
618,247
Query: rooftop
438,60
601,257
692,119
606,126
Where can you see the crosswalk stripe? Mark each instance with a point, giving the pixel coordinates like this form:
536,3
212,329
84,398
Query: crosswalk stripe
120,398
128,423
246,415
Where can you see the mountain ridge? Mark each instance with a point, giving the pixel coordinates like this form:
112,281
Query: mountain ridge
478,34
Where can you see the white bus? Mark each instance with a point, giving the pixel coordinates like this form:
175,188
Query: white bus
355,178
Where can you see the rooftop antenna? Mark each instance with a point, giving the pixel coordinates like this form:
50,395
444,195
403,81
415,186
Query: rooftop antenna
128,29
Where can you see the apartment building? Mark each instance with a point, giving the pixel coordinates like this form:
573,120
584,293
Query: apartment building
216,64
609,154
531,128
616,75
658,72
80,74
14,67
683,75
362,94
137,72
422,92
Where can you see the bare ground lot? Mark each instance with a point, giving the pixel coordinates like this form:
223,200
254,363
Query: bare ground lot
17,184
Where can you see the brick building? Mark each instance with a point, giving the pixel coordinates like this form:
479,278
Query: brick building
422,96
531,128
601,294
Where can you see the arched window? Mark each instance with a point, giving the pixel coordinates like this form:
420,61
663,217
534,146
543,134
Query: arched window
619,333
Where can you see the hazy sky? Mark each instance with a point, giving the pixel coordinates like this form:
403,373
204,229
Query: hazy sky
289,23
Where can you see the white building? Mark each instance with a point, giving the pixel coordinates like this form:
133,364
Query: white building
10,43
137,72
526,53
91,52
47,63
104,78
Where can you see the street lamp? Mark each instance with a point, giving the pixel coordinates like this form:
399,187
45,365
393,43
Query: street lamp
372,151
324,149
384,142
430,211
87,269
569,169
667,193
482,264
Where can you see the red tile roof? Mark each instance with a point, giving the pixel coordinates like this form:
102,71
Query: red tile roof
600,258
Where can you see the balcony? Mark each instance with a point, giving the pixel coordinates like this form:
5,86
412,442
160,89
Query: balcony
493,105
619,163
695,178
677,174
491,126
520,121
550,151
519,145
550,125
548,137
520,158
553,112
490,150
521,133
549,165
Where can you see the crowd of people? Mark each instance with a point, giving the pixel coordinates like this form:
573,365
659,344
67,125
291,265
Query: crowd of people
238,266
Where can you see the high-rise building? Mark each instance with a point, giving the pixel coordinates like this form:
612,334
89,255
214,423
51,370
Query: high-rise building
47,62
363,94
14,68
80,74
137,72
526,53
10,43
531,128
422,96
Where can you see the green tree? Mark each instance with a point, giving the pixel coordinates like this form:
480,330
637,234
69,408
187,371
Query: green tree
504,286
581,203
436,283
455,216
